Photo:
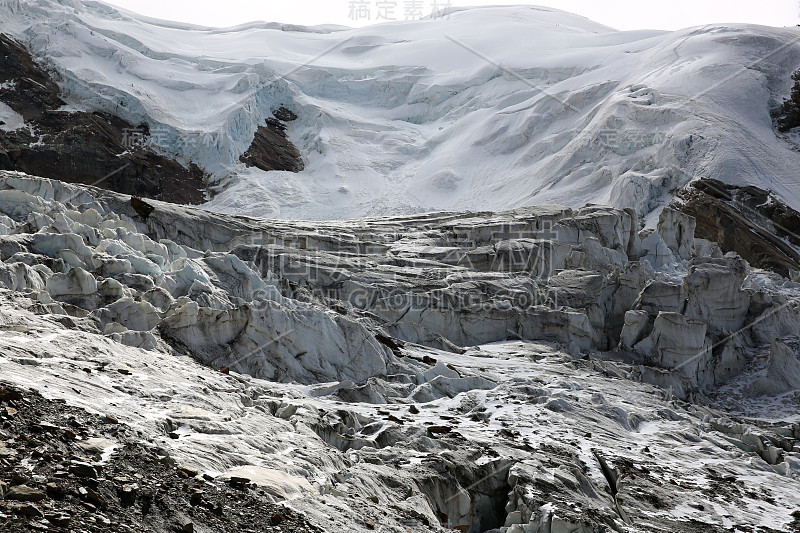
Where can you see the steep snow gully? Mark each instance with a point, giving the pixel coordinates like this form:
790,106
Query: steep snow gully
538,370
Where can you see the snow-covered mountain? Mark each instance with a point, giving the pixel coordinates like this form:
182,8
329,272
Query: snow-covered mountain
567,368
480,108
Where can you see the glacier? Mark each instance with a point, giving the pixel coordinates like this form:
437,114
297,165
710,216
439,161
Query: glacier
412,116
543,283
535,370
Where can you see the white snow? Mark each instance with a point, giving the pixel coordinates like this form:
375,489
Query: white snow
487,108
10,120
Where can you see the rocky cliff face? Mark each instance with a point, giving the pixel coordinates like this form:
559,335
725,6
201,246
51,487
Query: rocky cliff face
271,150
746,220
99,149
476,371
41,135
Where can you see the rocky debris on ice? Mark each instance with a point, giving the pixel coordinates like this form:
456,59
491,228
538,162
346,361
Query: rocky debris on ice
349,377
74,477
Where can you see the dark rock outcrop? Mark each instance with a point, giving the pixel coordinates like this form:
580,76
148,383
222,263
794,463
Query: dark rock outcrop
78,146
142,208
271,149
135,490
746,220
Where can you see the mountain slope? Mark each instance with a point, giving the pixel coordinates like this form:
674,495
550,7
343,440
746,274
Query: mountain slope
483,108
40,135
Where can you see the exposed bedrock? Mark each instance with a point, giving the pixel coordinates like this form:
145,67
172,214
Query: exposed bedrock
55,140
80,146
337,301
270,149
746,220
